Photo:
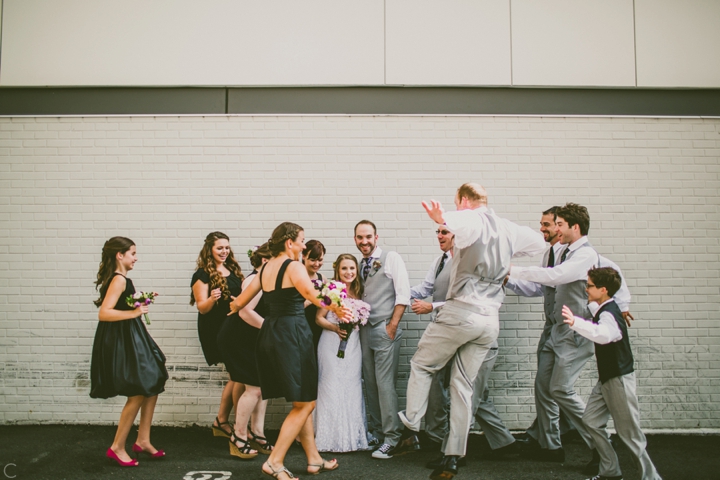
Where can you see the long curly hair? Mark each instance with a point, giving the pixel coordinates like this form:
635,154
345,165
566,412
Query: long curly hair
206,262
356,287
108,264
282,233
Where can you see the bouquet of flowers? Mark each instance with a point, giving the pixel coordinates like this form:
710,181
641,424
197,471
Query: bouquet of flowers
331,292
361,313
141,298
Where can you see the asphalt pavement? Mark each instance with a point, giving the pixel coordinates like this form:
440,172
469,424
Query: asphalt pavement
78,452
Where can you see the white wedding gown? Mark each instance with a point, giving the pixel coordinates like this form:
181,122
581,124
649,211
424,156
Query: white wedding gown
340,424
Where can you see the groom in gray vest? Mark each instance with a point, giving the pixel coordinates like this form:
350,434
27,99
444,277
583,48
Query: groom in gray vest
387,290
468,324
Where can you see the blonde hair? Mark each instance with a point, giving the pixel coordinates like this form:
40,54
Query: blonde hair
474,192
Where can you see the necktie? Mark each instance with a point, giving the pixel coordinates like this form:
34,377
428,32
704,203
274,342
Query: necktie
366,267
564,254
551,258
441,265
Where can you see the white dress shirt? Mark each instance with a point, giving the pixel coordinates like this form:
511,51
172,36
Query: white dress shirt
571,270
426,288
467,226
526,288
604,332
396,271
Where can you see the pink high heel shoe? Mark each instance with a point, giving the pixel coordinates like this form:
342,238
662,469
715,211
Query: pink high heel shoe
138,449
113,456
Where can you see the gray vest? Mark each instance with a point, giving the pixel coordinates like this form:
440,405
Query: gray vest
480,269
442,281
379,292
572,294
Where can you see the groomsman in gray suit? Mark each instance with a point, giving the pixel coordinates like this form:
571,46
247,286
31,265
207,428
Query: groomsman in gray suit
562,355
468,324
435,285
387,290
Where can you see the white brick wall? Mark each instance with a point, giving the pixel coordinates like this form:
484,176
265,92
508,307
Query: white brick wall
67,184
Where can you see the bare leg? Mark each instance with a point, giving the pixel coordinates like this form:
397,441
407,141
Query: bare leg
257,420
127,417
146,415
296,423
314,460
238,390
226,404
247,403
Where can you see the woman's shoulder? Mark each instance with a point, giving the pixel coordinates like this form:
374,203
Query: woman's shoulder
200,274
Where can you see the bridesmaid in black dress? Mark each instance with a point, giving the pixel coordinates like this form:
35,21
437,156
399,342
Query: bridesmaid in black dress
125,359
217,278
313,257
237,340
285,353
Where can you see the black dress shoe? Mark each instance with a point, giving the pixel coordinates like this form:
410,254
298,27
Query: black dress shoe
593,466
603,477
503,452
408,445
527,443
447,470
545,455
433,464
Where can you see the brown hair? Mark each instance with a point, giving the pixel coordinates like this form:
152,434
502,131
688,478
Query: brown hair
356,287
206,262
282,233
314,249
365,222
474,192
575,214
606,277
108,264
256,258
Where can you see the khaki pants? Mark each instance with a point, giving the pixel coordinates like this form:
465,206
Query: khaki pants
462,333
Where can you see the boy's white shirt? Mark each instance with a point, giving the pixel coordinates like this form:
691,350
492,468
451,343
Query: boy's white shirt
604,332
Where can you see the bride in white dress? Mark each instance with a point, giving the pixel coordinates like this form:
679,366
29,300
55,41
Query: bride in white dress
340,424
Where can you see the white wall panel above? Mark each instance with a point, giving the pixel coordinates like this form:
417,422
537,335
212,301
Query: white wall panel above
449,42
678,43
186,42
572,43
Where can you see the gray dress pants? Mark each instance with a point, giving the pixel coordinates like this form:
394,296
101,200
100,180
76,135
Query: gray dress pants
486,414
560,362
462,333
617,398
436,418
381,357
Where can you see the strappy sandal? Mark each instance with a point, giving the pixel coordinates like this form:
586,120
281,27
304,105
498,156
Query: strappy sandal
218,431
244,451
321,467
265,447
276,473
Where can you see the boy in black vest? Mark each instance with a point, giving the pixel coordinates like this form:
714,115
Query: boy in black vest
614,395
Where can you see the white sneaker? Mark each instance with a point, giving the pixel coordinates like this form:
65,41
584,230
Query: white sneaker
383,452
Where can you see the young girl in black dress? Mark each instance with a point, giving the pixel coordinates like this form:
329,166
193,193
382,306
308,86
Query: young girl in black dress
217,278
125,359
285,351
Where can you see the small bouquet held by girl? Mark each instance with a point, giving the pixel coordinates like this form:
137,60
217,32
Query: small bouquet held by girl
141,298
334,292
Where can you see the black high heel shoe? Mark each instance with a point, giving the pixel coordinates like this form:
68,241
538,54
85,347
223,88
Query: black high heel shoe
265,447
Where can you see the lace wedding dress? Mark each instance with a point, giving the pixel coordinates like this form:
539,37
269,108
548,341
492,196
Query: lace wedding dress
340,424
